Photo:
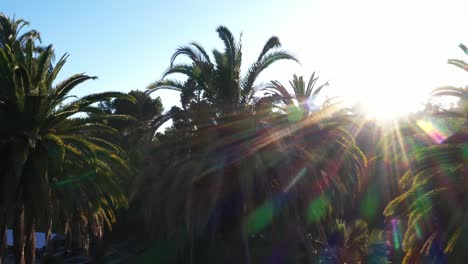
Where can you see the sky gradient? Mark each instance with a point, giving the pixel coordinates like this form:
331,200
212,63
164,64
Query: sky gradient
386,53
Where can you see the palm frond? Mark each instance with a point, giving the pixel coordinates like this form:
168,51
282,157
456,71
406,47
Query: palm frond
459,63
196,53
61,90
451,91
229,42
185,69
257,68
43,65
166,84
272,43
202,51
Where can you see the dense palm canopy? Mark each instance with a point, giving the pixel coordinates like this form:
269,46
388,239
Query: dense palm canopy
240,144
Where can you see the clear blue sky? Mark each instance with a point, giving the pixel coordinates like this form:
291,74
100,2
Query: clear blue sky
373,51
128,44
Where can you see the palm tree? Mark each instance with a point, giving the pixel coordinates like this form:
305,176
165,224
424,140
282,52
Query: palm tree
143,110
322,161
460,111
269,160
87,195
316,137
136,134
11,32
303,101
43,133
219,121
11,36
434,197
242,137
136,137
220,81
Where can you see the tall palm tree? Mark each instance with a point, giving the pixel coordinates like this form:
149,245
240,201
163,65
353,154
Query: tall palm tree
276,160
220,81
242,173
434,197
44,132
219,109
136,134
136,137
12,38
316,134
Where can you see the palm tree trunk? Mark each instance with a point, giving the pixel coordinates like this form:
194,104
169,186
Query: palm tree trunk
236,247
246,248
79,231
48,233
67,234
18,235
3,239
95,231
48,227
236,239
75,232
85,237
30,245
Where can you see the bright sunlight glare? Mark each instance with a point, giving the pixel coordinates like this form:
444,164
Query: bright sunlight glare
392,60
386,108
386,56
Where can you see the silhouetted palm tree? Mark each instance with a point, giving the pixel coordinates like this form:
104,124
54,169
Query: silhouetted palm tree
303,101
219,81
45,137
434,197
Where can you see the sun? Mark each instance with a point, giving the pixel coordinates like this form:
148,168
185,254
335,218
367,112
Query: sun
388,108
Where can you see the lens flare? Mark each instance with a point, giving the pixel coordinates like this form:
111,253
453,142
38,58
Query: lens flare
396,233
259,219
433,132
317,209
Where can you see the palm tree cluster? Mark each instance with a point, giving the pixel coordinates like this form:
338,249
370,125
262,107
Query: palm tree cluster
249,172
58,168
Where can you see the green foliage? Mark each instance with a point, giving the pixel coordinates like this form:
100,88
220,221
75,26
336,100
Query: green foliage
50,141
259,219
218,176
